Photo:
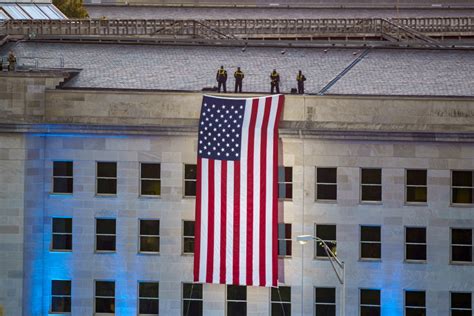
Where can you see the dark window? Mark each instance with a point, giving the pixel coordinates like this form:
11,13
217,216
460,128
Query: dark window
371,185
284,240
326,184
190,176
461,304
415,303
236,300
107,178
150,179
105,234
370,242
150,235
416,188
148,298
285,183
461,245
328,234
415,243
60,296
192,299
462,187
62,234
105,297
188,237
325,300
369,302
62,177
281,301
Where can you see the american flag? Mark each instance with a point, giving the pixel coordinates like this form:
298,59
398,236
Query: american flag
237,191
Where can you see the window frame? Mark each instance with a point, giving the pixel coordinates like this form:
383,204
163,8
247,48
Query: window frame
315,303
106,178
279,302
451,245
147,298
458,308
285,240
140,235
53,177
315,256
95,313
189,180
53,233
406,243
414,203
95,236
324,183
140,194
412,307
451,187
50,311
361,185
360,299
183,237
235,301
369,242
284,182
191,299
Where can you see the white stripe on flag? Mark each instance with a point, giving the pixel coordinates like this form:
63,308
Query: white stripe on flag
217,221
204,219
230,222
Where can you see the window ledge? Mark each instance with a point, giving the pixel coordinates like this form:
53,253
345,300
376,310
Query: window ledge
60,251
189,197
461,263
461,205
187,254
410,261
371,203
105,195
285,257
370,259
416,203
326,201
59,313
144,253
105,252
149,197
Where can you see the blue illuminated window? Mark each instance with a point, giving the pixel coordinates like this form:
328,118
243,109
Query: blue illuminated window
60,296
61,234
148,298
63,180
105,235
105,297
369,302
415,303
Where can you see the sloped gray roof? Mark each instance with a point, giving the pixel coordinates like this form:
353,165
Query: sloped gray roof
380,72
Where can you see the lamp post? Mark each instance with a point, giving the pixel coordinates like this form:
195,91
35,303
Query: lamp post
341,275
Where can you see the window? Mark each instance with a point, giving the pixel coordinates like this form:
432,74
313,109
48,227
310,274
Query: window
284,240
462,187
107,178
461,245
370,242
149,236
62,234
415,303
416,188
105,297
325,301
148,298
415,243
105,234
188,237
285,183
62,177
328,234
369,302
236,300
150,180
461,304
192,299
326,184
190,176
371,185
281,301
60,296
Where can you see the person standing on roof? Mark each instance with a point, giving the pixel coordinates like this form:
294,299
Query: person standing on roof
221,78
275,81
11,61
300,79
239,77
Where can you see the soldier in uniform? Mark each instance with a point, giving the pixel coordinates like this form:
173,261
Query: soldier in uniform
11,61
275,81
300,79
239,77
221,78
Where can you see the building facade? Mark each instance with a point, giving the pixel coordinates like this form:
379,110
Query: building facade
97,204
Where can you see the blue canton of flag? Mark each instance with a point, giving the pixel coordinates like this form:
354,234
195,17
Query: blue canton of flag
220,128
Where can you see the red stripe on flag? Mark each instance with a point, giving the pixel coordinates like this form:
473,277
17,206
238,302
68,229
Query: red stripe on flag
263,189
223,220
197,224
275,193
250,175
235,265
210,240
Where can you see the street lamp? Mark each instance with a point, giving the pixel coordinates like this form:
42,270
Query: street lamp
341,274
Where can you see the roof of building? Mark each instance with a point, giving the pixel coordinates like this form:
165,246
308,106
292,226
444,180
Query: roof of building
379,72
